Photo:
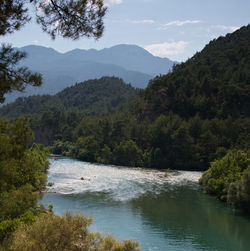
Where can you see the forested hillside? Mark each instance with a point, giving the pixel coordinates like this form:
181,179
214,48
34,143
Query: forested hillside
132,63
184,120
205,101
213,83
96,96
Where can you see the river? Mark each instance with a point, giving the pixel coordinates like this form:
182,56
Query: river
162,212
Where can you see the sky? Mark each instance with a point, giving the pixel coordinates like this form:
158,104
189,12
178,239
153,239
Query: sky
175,29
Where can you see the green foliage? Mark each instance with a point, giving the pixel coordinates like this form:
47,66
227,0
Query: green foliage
127,153
11,77
239,192
8,226
222,175
50,208
229,179
184,120
171,145
87,148
213,83
50,184
17,201
92,97
106,139
69,232
72,19
209,96
61,148
13,16
105,155
22,172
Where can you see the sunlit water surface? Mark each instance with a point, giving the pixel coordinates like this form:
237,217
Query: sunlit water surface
161,212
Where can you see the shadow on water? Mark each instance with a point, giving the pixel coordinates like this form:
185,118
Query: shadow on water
186,213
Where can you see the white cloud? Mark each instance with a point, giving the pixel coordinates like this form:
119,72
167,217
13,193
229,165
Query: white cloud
109,2
167,49
225,27
35,41
144,21
180,23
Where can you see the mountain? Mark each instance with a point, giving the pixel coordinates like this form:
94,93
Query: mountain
96,96
214,83
130,57
185,119
200,110
130,62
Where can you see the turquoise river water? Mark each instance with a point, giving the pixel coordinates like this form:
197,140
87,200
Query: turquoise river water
161,212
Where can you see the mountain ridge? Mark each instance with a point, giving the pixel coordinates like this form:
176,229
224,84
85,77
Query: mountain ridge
132,63
101,94
104,56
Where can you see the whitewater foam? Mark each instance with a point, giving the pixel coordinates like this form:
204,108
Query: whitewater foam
122,183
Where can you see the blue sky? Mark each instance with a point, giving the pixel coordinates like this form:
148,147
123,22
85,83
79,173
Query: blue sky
168,28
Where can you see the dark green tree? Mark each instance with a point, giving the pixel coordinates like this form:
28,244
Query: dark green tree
127,153
22,173
13,77
67,18
239,192
225,172
71,18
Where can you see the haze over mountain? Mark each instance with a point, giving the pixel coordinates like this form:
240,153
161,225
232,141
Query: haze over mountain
60,70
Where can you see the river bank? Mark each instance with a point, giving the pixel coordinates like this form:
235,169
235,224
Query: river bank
136,203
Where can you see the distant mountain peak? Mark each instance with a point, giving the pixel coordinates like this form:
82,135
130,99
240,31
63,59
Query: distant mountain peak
132,63
38,47
129,48
39,51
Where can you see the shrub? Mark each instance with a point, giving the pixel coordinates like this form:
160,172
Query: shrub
69,232
217,179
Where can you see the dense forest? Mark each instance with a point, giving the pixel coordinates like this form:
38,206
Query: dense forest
196,117
185,120
25,225
95,97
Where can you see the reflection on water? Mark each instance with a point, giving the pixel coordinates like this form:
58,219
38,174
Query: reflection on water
161,213
188,214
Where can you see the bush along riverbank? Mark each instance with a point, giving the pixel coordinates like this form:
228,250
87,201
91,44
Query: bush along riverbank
24,225
228,179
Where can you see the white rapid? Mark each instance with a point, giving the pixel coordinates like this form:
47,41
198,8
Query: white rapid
121,183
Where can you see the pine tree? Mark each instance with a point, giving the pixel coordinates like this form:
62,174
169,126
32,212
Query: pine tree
67,18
